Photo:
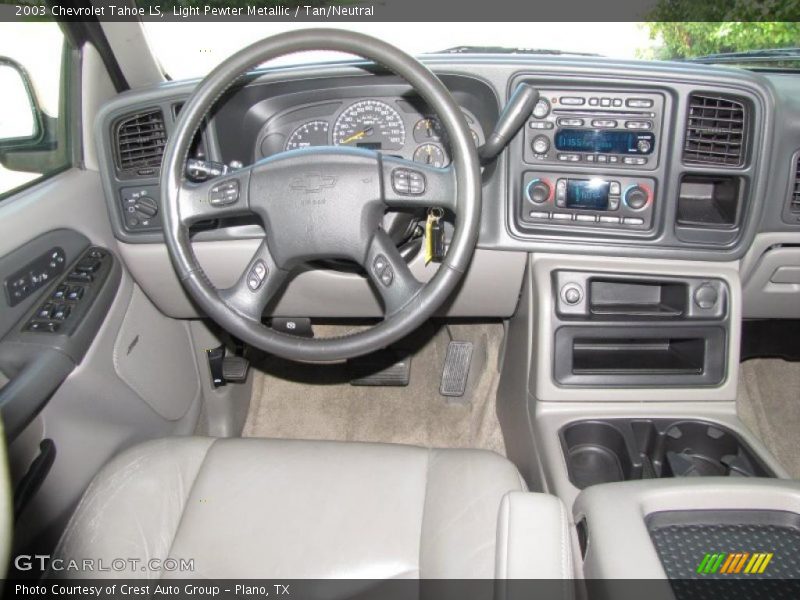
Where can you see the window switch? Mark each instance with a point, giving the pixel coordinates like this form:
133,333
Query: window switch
87,265
61,312
78,277
75,293
45,311
60,293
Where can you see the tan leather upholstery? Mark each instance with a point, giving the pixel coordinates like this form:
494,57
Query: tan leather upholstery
255,508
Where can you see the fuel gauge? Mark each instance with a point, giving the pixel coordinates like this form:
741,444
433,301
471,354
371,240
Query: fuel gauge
430,154
428,130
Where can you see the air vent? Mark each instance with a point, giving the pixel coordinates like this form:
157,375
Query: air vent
715,129
140,142
794,200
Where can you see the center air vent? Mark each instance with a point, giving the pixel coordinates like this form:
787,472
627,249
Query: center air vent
140,141
715,129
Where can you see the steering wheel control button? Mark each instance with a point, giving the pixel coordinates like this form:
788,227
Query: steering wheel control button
408,182
258,272
224,194
383,270
706,296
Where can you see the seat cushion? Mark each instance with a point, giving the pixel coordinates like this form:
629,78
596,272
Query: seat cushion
256,508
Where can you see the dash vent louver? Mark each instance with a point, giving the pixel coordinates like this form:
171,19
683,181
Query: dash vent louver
140,140
794,199
715,131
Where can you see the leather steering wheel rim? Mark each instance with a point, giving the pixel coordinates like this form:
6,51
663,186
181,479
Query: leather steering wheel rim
228,308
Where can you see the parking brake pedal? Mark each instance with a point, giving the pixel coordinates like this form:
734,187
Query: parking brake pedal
235,368
456,369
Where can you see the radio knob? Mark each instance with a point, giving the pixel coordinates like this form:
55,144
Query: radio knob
542,109
636,197
540,144
643,146
538,191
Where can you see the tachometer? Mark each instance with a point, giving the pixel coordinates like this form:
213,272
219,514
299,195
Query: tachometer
370,124
313,133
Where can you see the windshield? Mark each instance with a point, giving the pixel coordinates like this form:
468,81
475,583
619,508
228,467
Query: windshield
192,49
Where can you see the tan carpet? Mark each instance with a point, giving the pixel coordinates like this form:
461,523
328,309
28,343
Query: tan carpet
297,401
769,404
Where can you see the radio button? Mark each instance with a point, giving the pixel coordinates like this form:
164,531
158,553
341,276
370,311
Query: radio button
605,101
617,102
540,125
608,219
570,122
639,102
613,159
601,158
643,146
540,144
634,160
590,158
539,214
633,221
569,157
542,109
638,125
613,203
562,216
614,188
604,123
593,101
572,101
585,218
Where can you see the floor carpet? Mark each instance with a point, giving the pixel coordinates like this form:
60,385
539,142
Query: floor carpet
769,404
300,401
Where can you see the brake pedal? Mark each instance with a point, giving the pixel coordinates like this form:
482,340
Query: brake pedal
385,368
456,369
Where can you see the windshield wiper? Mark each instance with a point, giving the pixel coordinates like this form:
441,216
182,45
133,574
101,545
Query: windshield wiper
767,55
507,50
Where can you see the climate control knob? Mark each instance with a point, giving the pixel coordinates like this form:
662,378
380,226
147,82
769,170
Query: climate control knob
540,144
542,109
636,197
538,191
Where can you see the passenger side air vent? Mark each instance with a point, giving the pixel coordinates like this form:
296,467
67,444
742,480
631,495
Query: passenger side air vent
140,141
794,197
715,131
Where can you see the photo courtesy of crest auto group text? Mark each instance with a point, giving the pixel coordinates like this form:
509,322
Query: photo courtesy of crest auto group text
395,299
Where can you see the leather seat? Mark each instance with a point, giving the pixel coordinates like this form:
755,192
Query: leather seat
257,508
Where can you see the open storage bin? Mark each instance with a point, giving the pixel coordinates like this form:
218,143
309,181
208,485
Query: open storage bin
604,451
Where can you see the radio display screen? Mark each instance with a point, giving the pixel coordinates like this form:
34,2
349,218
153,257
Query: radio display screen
590,194
605,142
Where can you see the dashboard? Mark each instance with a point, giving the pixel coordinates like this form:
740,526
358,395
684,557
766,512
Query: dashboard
619,158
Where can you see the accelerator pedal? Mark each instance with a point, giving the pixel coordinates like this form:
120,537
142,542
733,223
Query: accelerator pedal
456,369
390,368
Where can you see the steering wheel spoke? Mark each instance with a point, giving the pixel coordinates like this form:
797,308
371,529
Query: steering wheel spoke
257,285
414,185
390,274
223,196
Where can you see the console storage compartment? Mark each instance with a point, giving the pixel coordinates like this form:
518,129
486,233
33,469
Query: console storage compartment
604,451
643,356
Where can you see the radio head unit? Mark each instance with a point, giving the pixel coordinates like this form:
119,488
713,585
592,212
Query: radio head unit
592,127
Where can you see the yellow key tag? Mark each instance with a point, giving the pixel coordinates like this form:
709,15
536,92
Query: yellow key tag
429,239
433,235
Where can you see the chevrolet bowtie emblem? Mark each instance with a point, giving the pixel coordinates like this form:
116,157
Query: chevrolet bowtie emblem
312,182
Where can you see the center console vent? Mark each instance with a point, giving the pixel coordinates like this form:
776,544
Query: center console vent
139,141
715,131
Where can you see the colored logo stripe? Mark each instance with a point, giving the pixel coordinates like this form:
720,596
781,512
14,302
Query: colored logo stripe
734,562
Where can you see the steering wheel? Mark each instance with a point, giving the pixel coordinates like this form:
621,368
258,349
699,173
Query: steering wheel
322,203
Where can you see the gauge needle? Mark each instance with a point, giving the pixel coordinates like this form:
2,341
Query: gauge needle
358,135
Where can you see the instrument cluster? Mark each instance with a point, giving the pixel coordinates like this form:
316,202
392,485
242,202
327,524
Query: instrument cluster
391,125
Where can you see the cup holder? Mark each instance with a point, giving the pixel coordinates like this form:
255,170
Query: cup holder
604,451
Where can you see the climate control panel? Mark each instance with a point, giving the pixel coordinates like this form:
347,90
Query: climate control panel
551,198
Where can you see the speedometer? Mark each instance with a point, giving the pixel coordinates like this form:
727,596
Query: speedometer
370,124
